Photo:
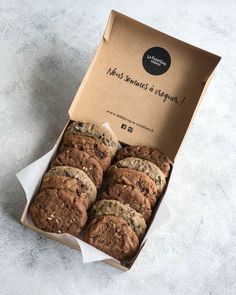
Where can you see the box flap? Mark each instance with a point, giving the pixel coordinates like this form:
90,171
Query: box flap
144,83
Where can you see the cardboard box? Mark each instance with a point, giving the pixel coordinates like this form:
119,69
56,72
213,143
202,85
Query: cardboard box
146,85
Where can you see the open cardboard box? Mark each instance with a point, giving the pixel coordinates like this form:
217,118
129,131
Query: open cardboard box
146,85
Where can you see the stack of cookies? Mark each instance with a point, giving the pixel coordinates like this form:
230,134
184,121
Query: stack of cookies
118,220
69,188
120,217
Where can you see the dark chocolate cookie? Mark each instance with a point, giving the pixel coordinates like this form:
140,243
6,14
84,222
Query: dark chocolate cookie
112,235
146,167
112,207
127,194
82,160
147,153
58,211
96,131
72,172
65,183
93,147
136,179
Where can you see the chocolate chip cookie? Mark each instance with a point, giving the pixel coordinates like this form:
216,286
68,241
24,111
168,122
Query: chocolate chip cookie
58,211
85,182
151,154
112,235
116,208
92,146
146,167
82,160
136,179
65,183
95,131
127,194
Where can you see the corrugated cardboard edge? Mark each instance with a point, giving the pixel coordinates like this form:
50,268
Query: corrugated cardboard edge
109,25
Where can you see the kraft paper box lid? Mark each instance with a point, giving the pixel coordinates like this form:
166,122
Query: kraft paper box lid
144,83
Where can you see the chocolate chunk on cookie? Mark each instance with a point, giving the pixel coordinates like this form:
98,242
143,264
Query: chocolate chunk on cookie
146,167
82,160
58,211
151,154
85,182
95,131
136,179
112,235
92,146
116,208
65,183
127,194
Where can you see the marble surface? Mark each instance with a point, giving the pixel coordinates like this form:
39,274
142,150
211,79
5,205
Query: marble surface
45,49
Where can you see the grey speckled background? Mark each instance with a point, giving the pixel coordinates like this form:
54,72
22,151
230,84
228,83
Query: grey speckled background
45,49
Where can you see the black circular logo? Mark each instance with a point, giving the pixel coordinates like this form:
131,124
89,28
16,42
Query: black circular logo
156,61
